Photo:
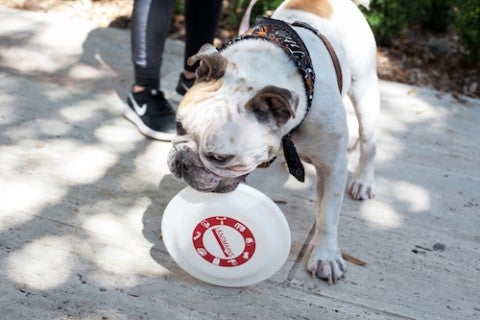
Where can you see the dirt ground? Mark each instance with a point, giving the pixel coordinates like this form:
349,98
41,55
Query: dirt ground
417,57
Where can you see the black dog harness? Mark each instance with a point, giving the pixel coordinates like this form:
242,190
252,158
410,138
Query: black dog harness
286,38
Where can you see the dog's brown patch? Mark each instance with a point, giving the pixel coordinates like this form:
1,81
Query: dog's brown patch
321,8
199,92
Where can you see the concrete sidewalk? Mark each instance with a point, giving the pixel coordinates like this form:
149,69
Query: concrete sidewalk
82,195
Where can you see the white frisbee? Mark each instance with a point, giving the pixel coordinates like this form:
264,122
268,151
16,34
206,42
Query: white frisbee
232,239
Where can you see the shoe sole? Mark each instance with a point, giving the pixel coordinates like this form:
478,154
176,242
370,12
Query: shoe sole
130,115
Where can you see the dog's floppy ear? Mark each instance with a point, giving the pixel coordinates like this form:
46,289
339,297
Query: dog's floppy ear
273,105
212,63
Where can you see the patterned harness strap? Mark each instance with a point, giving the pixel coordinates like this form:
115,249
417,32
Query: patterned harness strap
282,34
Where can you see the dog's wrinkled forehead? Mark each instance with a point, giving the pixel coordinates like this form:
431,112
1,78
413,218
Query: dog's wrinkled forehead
198,94
210,105
204,109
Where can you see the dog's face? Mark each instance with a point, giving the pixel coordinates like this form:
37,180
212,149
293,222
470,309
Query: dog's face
225,126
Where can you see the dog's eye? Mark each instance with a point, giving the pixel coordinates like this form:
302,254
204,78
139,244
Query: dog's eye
180,130
219,158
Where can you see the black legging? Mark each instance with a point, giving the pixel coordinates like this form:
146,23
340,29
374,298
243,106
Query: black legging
150,27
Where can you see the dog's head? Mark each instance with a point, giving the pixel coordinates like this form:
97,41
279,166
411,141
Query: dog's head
227,124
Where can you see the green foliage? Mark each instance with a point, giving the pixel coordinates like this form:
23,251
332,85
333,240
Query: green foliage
179,6
435,15
467,27
236,9
389,17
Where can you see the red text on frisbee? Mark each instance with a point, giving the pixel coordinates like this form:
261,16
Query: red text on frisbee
223,241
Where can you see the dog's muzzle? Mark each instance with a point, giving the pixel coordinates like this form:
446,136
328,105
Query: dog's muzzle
185,163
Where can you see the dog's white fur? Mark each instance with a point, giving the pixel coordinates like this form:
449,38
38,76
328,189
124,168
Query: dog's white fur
216,121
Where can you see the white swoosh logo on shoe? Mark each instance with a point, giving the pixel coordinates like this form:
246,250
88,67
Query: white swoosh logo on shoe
185,87
139,110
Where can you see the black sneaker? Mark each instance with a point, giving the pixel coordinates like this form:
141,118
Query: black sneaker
182,87
151,113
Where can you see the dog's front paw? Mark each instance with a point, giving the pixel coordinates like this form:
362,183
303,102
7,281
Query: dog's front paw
327,263
361,187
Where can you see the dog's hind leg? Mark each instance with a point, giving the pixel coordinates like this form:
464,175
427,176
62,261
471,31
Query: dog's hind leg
365,96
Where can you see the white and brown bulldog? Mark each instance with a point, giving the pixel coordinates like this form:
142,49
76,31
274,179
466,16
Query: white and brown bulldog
280,86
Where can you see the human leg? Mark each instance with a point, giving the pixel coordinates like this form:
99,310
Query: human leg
201,23
150,27
146,106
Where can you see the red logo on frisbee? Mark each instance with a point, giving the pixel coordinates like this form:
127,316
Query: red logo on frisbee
223,241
